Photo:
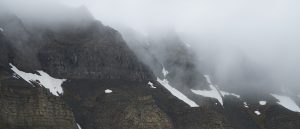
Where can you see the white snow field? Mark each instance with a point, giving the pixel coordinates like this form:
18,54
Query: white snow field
44,79
287,102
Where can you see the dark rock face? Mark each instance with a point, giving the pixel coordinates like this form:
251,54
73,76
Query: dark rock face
94,52
238,115
17,43
135,105
278,117
130,105
4,51
26,107
85,49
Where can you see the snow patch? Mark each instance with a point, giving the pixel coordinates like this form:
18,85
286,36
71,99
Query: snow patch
79,127
287,102
177,93
224,93
1,29
262,102
107,91
53,84
257,113
213,93
246,105
165,72
151,85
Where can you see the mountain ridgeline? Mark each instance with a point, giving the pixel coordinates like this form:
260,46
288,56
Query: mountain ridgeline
110,83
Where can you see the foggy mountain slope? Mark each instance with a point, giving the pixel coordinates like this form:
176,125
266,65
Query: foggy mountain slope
93,58
244,75
141,83
166,50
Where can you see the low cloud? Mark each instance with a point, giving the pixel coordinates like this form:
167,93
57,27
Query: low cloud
222,33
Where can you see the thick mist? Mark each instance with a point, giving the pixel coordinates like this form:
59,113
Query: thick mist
260,37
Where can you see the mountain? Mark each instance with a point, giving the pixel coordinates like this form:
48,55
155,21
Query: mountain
240,92
77,73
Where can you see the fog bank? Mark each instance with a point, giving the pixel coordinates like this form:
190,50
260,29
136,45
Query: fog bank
224,34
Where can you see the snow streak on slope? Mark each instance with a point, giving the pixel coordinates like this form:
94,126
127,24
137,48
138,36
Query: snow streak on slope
224,93
79,127
174,91
1,29
165,72
213,93
53,84
287,102
177,93
151,85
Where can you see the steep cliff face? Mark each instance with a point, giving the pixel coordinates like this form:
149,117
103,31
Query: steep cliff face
90,52
25,107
